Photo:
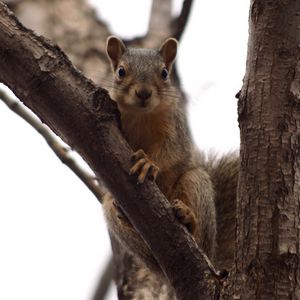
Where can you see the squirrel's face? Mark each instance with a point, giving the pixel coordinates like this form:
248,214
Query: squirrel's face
141,76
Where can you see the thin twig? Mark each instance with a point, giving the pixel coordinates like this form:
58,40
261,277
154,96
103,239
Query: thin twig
62,152
180,22
105,280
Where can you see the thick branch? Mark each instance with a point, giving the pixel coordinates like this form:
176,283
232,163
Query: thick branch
84,117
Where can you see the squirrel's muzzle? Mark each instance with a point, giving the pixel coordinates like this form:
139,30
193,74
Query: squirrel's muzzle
143,95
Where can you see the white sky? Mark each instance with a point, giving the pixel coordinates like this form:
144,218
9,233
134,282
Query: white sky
52,234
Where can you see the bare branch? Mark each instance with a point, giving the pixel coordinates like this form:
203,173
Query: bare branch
179,23
84,116
160,23
61,152
105,281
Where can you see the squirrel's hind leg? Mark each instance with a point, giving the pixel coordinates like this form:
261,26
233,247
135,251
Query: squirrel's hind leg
193,199
125,233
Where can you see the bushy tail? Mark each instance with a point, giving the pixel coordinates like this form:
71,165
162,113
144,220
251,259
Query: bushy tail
224,175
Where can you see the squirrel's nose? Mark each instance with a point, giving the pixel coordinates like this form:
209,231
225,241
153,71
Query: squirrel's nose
143,94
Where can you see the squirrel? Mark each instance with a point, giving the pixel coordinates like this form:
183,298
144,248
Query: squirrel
154,123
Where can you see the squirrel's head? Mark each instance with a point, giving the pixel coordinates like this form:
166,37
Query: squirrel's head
141,76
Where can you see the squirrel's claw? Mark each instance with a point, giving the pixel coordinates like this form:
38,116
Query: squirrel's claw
143,166
184,215
138,155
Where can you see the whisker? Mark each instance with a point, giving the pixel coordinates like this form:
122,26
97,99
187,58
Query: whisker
168,94
170,91
173,97
119,88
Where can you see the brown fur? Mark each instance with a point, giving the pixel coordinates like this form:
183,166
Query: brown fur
150,130
159,127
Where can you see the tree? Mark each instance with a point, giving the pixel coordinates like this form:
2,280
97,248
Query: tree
267,245
267,260
100,124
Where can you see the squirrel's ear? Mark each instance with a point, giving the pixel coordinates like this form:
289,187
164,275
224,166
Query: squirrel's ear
115,48
168,50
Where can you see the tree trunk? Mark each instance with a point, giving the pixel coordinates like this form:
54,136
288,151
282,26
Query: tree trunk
267,260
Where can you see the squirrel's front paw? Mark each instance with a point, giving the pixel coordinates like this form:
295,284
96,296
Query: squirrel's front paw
184,214
143,166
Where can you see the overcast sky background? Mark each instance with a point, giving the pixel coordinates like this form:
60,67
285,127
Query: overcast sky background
53,237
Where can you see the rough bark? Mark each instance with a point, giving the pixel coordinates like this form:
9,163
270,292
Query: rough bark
83,115
74,26
267,260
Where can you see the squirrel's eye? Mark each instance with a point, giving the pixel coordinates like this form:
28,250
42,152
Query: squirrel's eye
164,74
121,71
